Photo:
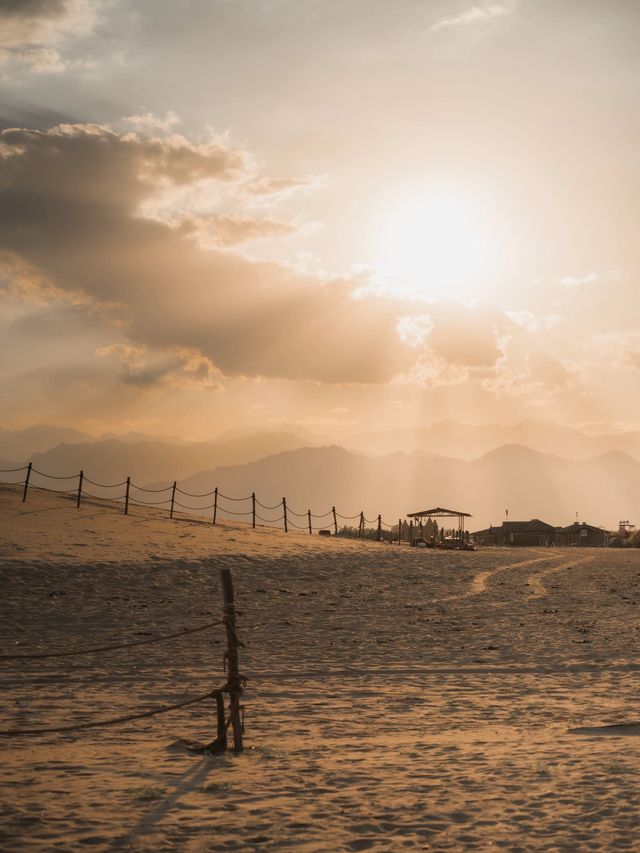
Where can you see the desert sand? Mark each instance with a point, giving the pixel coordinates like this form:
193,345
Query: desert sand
398,699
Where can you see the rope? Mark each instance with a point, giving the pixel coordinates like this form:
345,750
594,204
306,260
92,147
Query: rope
348,517
113,721
105,485
193,494
100,497
227,498
113,647
270,520
194,508
53,476
231,512
264,506
298,514
149,503
54,491
151,491
324,514
13,470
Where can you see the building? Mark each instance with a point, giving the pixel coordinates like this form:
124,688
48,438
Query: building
533,532
582,535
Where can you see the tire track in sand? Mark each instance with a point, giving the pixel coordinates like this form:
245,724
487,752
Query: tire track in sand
534,581
479,582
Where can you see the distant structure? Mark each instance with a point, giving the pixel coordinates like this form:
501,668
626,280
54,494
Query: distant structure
533,532
458,534
540,534
582,535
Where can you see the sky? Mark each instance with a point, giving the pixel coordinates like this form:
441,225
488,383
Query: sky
344,216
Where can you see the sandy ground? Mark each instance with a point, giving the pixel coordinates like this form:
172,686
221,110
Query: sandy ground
399,699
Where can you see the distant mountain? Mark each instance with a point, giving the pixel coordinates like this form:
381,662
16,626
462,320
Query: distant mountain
529,484
114,460
450,438
19,445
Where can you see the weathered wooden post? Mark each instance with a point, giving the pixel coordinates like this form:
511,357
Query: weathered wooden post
361,528
173,498
253,510
399,531
411,532
379,528
335,521
284,512
215,505
26,481
235,680
309,516
79,495
126,496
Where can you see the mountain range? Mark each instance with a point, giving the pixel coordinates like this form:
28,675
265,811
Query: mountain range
588,475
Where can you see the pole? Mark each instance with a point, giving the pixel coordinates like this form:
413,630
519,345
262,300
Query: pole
399,530
26,481
173,498
361,528
309,514
379,528
253,510
80,479
234,682
284,511
335,521
126,496
215,505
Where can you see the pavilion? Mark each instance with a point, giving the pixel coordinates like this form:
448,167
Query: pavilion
441,512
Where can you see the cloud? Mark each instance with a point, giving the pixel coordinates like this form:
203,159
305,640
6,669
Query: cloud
70,204
35,33
579,281
620,350
146,122
226,230
473,15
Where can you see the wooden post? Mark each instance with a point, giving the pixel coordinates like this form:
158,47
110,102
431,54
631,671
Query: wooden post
411,532
26,481
126,496
361,527
173,498
399,530
253,510
309,515
421,531
234,682
379,528
284,510
215,505
80,479
335,521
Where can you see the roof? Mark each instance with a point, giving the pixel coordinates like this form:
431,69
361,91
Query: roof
579,525
526,526
438,512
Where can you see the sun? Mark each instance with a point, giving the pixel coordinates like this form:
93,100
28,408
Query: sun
436,244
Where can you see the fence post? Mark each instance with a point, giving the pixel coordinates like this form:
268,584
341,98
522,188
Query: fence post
126,496
215,505
335,521
253,510
361,534
399,531
173,498
309,514
379,528
284,510
80,479
234,683
26,481
411,532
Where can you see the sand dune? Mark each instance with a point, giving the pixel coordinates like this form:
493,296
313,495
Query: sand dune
398,699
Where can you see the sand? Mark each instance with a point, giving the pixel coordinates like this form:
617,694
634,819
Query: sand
398,699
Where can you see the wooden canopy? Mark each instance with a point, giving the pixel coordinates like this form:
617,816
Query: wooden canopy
439,512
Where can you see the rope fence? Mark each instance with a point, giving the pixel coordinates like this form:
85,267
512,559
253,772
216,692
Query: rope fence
332,522
234,685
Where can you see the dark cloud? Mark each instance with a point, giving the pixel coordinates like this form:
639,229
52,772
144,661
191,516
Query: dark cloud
69,209
32,8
